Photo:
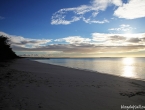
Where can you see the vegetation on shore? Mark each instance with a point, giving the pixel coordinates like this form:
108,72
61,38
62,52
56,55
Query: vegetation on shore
6,51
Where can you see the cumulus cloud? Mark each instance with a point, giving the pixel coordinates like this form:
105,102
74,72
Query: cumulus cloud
131,10
122,27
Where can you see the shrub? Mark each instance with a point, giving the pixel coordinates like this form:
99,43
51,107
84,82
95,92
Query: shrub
5,49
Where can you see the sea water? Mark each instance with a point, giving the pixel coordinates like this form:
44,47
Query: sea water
125,67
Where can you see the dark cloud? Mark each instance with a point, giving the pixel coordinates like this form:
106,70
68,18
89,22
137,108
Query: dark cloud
143,39
117,38
68,48
32,42
134,40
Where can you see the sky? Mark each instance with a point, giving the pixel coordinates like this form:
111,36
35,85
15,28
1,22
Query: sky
68,28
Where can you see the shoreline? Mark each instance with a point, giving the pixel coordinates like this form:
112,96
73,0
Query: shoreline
105,73
31,85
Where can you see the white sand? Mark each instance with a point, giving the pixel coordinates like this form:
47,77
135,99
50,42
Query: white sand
29,85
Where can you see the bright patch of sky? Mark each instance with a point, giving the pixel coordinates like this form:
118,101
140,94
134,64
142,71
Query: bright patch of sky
83,28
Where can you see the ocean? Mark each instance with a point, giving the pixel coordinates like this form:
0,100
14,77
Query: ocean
124,67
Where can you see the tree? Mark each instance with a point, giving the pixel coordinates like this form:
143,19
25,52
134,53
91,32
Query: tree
5,49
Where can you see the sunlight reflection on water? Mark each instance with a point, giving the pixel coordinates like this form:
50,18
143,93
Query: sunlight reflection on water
128,67
125,67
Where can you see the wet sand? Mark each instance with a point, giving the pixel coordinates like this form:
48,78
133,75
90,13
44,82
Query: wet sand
30,85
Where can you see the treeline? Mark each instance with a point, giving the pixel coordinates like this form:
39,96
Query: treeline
5,50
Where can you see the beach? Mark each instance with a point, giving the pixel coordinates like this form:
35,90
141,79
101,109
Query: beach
30,85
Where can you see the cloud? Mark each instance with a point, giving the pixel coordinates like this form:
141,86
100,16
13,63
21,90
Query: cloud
25,42
1,17
88,13
95,21
105,39
97,43
83,49
123,27
103,4
118,39
131,10
79,13
74,40
136,40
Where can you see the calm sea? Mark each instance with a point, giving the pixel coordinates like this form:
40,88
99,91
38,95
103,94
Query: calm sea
125,67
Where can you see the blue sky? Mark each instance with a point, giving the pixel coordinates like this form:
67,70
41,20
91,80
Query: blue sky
84,28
